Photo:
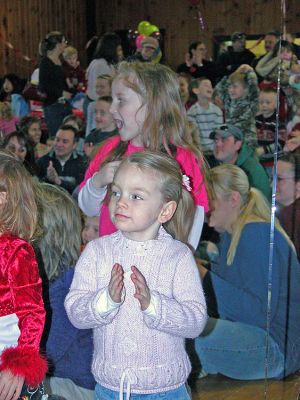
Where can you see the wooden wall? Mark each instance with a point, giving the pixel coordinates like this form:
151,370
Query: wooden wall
179,19
24,22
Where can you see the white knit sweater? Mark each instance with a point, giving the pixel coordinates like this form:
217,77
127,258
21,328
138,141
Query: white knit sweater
149,352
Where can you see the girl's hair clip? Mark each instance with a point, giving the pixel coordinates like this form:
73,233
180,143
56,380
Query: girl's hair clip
186,183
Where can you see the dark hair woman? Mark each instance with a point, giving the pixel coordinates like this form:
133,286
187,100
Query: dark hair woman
108,52
52,82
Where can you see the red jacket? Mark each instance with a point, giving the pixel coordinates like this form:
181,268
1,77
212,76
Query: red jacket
21,295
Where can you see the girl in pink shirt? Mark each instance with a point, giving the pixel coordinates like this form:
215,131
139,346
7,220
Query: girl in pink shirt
139,288
148,113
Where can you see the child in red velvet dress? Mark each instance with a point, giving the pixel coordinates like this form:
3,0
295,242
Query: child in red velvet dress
22,315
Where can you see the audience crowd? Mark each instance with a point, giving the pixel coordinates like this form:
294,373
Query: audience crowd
225,122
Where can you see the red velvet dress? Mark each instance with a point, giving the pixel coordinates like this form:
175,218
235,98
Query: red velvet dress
21,301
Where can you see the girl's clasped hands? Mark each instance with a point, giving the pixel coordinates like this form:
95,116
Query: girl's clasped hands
116,285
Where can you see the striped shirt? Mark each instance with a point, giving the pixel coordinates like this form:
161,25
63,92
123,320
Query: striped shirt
206,120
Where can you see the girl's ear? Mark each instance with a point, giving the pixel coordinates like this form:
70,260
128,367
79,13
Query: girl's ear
167,211
3,198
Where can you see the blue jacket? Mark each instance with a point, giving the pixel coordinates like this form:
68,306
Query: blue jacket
69,350
241,289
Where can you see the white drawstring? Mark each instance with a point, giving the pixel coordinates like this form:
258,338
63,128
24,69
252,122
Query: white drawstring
131,379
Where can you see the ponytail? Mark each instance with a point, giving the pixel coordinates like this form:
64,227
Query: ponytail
181,223
256,209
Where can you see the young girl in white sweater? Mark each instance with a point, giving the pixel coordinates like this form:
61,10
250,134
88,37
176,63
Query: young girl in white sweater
139,288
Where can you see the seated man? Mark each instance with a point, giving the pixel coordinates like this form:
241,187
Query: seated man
229,148
288,196
62,166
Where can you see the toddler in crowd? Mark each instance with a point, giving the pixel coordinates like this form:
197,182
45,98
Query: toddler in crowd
8,121
266,127
239,94
22,314
90,230
187,98
139,288
206,115
74,73
103,88
105,124
148,113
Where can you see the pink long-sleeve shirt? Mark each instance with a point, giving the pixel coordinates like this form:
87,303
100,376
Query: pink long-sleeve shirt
185,158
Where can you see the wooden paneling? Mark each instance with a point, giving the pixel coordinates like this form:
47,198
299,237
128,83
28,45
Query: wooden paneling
180,19
23,23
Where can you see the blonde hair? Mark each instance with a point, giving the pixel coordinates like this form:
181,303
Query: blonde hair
158,87
239,77
69,52
171,187
61,224
18,215
6,110
225,179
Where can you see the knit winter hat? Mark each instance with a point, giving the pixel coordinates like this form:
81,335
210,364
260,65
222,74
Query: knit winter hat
150,41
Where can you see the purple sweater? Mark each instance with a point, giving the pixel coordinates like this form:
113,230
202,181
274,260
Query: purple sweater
149,352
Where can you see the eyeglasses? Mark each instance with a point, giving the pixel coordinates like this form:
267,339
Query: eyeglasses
284,178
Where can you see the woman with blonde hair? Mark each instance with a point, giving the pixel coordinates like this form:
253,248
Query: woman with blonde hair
250,296
68,350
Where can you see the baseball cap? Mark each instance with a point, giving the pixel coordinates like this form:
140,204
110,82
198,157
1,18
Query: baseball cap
238,36
225,131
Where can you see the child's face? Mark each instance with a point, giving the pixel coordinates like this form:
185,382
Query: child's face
7,86
90,230
285,54
205,89
136,203
120,53
72,60
35,132
103,118
16,147
128,112
183,86
50,144
103,87
267,103
236,90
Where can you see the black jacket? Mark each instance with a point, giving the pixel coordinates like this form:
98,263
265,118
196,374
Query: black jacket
71,174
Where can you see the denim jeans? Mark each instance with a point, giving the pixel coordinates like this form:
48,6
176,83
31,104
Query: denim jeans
237,350
54,115
179,394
